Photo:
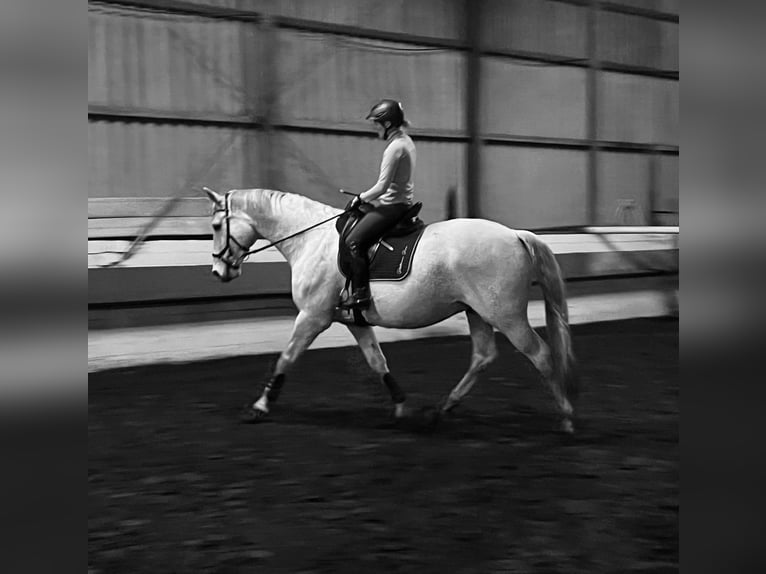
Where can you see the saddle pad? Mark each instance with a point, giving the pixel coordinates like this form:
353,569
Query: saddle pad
395,265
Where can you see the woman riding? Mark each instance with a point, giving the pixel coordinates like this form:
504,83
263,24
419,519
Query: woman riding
389,198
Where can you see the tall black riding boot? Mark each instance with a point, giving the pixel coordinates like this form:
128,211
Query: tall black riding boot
360,277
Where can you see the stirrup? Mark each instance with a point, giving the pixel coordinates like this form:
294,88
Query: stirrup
351,303
362,303
360,298
348,312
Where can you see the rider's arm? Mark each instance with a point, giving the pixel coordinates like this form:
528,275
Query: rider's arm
387,169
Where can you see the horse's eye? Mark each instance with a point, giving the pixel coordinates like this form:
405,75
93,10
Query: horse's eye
217,226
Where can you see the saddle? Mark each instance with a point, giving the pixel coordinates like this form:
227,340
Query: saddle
390,257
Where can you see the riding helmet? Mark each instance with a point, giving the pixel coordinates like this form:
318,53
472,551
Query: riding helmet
387,111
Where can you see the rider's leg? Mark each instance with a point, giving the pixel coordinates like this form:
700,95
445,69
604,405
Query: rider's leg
369,229
360,273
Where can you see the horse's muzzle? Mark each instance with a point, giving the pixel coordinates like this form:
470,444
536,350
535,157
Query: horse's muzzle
224,274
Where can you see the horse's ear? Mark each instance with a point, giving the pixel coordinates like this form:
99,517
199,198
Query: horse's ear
216,198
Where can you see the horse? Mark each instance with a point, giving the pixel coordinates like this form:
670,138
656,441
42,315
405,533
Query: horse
475,266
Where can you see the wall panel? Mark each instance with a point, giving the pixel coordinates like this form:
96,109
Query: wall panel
638,41
178,65
236,4
434,18
529,188
651,181
441,168
638,109
533,100
669,6
318,165
534,26
666,197
199,66
327,78
151,160
624,178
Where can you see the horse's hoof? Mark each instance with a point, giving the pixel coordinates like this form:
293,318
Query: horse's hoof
251,415
447,407
567,427
401,411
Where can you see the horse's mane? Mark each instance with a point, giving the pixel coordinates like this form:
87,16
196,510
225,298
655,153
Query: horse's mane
280,201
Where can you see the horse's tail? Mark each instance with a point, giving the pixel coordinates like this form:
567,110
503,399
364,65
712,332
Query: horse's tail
549,277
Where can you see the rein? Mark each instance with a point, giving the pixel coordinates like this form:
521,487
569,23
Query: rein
246,253
272,244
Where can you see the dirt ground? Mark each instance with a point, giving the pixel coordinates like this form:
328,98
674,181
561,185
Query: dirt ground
331,484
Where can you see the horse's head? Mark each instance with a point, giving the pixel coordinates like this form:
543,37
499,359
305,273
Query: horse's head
233,235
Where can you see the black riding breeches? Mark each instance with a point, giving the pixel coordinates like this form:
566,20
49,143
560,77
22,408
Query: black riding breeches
374,224
369,229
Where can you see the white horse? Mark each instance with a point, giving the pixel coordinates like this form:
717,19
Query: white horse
475,266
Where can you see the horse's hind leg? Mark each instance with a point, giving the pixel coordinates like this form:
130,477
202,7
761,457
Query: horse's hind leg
368,342
484,352
524,338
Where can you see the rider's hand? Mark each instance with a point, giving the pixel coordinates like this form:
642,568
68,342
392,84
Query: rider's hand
356,202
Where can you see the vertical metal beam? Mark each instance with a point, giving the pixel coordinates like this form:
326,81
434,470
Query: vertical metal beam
270,170
251,64
592,112
472,106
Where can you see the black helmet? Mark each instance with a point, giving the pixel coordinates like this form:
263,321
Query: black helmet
387,111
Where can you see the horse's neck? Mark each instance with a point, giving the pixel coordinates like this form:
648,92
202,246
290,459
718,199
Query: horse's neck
278,215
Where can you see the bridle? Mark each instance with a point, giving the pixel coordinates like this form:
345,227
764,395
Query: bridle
221,255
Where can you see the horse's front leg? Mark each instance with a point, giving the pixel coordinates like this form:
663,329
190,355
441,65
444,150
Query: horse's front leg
368,342
305,330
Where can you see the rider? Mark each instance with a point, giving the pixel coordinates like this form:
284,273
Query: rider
390,197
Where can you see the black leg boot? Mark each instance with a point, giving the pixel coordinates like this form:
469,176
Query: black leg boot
360,277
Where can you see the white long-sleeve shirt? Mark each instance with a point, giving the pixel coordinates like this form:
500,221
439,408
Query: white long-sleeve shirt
397,170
